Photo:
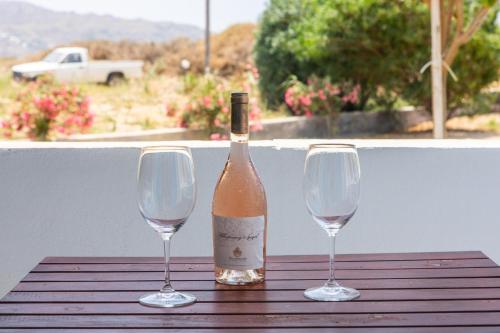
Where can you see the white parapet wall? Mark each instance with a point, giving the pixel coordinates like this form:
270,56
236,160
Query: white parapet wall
78,199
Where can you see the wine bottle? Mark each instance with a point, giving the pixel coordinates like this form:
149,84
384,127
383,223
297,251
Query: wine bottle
239,209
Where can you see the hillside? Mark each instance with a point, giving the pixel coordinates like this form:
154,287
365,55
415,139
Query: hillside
231,51
26,28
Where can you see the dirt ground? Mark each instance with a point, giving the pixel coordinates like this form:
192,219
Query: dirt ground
452,134
482,126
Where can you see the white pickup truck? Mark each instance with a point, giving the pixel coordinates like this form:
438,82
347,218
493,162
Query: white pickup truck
71,64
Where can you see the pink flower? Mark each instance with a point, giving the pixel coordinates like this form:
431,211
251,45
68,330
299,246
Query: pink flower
225,109
5,124
64,91
305,100
37,101
256,126
254,113
207,102
321,95
84,105
217,122
220,101
68,122
25,116
353,96
289,96
64,106
255,73
78,121
218,136
89,121
215,136
308,113
45,104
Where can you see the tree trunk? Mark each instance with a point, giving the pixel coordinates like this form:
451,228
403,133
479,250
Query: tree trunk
438,92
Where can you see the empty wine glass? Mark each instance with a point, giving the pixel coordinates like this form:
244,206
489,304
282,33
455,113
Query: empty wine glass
331,190
166,193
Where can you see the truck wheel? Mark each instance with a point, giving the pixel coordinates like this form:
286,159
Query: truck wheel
115,79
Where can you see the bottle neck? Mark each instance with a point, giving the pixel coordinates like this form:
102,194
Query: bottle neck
239,147
239,128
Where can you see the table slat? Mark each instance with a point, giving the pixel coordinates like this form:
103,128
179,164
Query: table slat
268,285
297,295
273,266
271,275
461,329
253,321
254,308
284,258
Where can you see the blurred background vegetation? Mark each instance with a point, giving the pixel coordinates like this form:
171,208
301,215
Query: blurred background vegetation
330,55
379,44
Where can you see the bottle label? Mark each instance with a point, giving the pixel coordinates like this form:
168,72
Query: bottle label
239,242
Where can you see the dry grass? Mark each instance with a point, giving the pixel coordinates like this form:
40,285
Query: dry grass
477,123
133,106
231,50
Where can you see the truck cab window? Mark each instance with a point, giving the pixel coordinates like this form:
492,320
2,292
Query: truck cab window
72,58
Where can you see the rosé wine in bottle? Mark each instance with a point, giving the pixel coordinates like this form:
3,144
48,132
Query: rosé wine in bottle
239,209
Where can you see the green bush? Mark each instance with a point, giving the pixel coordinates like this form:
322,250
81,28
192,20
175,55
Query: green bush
281,31
379,45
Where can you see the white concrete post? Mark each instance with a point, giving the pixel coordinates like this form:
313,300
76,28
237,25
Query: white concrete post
207,36
438,94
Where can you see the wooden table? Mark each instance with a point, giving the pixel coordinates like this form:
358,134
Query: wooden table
413,292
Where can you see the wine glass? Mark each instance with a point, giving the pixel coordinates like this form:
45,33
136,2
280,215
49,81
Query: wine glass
166,193
331,189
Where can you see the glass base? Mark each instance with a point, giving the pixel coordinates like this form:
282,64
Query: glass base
167,300
331,293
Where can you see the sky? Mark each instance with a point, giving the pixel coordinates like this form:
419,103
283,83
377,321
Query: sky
223,12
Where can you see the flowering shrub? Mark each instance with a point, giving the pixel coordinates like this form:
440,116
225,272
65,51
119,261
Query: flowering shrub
45,110
318,96
206,107
209,102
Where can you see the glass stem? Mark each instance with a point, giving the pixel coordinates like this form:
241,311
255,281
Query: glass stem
331,281
166,255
